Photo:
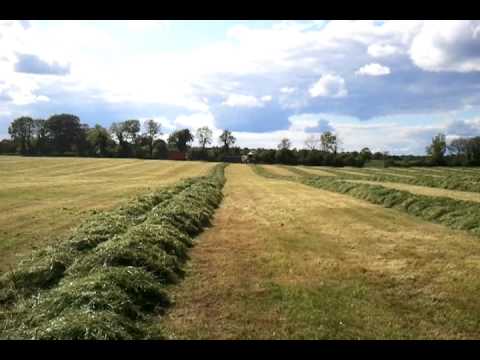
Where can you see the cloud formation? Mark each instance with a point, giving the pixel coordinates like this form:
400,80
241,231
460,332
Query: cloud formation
329,85
373,69
32,64
447,46
251,78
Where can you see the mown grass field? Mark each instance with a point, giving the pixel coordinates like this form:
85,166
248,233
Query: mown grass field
42,198
291,253
291,261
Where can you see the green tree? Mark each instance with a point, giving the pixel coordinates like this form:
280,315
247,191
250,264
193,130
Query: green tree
436,150
65,132
204,136
131,129
99,140
152,129
365,154
41,137
329,142
126,133
180,139
227,139
160,149
21,131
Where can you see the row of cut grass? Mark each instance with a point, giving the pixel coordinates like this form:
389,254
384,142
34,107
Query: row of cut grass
111,275
456,214
460,183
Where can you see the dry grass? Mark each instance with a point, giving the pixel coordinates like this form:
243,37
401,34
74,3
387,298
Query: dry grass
314,170
43,198
278,170
284,260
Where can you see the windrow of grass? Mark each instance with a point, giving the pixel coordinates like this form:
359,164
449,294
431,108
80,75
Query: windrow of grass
460,182
456,214
112,274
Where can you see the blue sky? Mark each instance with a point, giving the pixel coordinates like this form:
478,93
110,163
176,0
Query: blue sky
389,85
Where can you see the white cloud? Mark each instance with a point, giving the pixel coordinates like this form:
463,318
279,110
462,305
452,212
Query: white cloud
287,90
242,101
266,98
382,50
447,46
329,85
373,69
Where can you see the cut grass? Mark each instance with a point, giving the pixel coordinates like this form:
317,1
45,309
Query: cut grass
456,214
424,190
87,284
315,170
289,261
42,199
460,183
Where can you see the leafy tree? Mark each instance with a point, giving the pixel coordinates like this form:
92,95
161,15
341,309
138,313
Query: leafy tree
126,133
21,131
227,139
436,150
329,142
458,147
40,131
180,139
365,154
65,132
284,144
285,156
152,129
204,136
116,130
99,139
7,146
160,149
131,128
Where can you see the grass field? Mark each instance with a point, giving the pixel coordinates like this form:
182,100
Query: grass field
291,261
283,258
41,199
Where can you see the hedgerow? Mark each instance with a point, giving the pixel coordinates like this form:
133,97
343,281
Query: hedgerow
107,288
456,214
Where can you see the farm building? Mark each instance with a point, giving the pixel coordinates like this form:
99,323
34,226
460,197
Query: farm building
177,155
249,158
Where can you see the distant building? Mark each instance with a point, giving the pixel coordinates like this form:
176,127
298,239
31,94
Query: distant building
249,158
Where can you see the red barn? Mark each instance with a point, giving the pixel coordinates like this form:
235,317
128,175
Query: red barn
177,155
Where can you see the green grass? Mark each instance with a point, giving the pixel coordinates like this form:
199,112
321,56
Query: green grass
461,182
42,199
116,274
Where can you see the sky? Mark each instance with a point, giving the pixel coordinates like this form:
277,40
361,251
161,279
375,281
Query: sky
387,85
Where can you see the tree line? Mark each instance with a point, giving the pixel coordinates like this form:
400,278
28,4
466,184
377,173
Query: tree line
64,134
